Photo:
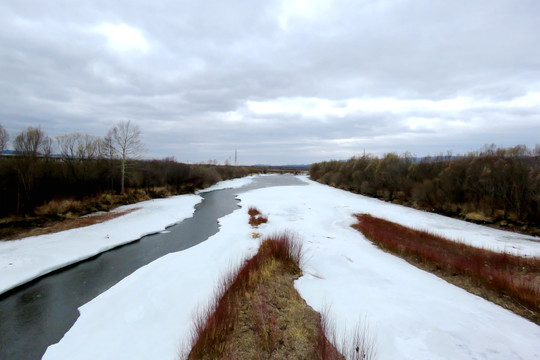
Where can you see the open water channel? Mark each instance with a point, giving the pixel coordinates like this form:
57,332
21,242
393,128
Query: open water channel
37,314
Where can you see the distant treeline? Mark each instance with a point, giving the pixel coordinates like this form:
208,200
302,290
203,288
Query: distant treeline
29,182
489,185
91,173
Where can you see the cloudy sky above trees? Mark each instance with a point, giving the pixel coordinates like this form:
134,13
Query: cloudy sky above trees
281,81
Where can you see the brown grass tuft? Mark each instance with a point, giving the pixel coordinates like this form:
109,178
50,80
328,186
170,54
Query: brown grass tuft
253,211
58,207
255,217
257,313
215,326
508,280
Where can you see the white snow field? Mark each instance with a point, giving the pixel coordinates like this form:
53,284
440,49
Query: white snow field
28,258
411,314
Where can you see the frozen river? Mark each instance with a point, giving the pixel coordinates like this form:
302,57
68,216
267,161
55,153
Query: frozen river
38,314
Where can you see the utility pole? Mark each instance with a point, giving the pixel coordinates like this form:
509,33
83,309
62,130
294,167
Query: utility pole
235,157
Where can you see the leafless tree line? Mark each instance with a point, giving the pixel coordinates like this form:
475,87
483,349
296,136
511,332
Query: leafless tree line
4,138
499,183
85,166
121,142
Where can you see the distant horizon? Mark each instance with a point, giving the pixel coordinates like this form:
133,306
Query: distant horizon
307,164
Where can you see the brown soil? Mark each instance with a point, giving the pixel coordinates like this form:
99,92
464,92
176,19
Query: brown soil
63,214
18,229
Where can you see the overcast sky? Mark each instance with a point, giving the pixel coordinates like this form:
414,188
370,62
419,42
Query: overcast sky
284,82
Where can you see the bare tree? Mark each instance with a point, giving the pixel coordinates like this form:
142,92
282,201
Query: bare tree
77,146
123,141
33,142
77,150
91,146
4,138
67,145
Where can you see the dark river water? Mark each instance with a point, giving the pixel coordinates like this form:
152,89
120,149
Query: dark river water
36,315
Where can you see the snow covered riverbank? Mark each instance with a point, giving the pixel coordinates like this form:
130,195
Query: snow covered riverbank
411,313
26,259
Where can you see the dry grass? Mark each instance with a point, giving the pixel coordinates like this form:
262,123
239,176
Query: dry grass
508,280
257,313
241,321
63,214
357,345
255,217
59,207
67,224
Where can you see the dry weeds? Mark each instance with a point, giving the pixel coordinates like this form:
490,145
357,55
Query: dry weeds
257,313
256,218
64,214
52,226
507,280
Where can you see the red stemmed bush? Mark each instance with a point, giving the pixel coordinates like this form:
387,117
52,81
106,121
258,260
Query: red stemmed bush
504,275
214,324
257,314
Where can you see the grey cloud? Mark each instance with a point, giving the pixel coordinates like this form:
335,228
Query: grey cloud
207,59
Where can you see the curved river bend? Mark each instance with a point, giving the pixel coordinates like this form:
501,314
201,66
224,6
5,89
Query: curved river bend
36,315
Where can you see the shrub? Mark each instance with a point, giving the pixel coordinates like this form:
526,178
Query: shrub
489,180
214,322
255,217
506,275
279,324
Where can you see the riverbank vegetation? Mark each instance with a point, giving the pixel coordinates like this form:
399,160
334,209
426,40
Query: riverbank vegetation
256,218
54,191
38,189
257,314
493,186
507,280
